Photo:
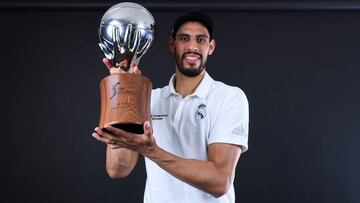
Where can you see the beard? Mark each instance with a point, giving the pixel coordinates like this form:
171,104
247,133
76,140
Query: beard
192,71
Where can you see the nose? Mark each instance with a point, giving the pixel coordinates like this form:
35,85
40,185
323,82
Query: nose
193,45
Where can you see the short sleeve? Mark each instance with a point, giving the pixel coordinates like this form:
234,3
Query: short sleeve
231,124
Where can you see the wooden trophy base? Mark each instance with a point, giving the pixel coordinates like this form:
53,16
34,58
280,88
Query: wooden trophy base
125,101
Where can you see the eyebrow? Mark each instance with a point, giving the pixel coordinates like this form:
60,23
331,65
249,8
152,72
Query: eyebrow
201,35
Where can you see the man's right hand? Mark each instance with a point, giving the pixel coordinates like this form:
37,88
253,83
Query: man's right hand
113,70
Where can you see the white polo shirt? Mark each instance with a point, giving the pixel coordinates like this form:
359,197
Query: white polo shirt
214,113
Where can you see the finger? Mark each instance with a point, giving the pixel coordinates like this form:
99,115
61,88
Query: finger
137,70
100,138
147,128
99,131
147,136
106,135
107,63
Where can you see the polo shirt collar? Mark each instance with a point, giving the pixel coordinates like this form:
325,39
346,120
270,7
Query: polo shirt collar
201,91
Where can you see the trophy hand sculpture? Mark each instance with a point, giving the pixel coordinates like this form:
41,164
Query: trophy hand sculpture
127,31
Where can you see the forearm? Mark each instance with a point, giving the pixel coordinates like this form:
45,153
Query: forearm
205,175
120,162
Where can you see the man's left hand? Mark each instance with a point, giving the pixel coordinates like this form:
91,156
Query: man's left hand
145,143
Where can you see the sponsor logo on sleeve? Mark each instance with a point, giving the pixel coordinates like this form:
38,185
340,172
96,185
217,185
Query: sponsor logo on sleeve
239,131
158,116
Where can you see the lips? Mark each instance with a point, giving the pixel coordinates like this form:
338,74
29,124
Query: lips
191,58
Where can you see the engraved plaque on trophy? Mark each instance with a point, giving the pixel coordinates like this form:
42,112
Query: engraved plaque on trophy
127,31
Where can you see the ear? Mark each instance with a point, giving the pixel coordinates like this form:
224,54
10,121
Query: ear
212,46
172,44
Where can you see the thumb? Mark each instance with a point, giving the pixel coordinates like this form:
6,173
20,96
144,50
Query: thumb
147,128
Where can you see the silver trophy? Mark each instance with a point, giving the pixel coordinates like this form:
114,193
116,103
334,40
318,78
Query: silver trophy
127,30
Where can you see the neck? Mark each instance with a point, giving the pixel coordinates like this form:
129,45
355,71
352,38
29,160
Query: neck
185,85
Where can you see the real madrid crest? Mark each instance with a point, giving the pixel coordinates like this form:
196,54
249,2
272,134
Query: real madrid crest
200,112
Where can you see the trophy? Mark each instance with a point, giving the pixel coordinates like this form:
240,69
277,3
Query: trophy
127,31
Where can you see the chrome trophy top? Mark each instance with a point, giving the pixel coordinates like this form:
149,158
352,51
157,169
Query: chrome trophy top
127,31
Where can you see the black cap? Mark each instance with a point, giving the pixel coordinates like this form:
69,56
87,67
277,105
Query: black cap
194,16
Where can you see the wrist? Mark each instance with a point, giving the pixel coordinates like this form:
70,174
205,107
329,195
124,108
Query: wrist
152,152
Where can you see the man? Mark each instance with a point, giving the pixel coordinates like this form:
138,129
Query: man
199,127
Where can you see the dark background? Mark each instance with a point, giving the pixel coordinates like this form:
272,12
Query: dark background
298,63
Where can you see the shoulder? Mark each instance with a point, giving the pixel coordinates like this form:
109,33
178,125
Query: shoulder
158,92
222,91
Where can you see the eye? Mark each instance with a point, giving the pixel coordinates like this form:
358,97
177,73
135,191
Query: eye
202,39
183,38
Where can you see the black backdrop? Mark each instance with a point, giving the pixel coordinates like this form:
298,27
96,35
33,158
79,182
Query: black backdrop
298,67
